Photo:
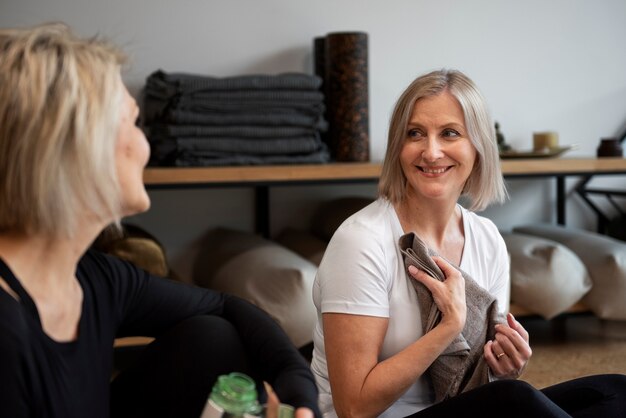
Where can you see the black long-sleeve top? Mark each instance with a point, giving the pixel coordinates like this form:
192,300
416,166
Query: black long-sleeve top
40,377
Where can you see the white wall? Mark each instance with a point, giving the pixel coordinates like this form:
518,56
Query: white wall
543,65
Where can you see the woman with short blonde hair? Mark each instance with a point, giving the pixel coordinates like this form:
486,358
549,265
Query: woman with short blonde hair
59,111
71,163
485,185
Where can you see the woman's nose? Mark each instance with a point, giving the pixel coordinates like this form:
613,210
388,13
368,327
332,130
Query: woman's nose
433,150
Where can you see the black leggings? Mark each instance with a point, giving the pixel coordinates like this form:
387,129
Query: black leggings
175,373
600,396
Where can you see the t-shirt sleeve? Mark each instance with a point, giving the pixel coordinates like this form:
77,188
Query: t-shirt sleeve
352,275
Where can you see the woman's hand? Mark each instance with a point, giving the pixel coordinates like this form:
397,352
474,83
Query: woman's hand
303,413
448,295
273,404
509,352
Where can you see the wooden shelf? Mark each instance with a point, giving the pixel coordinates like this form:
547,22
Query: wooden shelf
172,176
262,174
563,166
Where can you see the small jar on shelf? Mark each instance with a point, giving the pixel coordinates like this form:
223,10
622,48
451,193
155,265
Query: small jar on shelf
610,147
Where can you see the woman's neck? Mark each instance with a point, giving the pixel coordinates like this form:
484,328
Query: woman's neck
427,218
44,260
439,225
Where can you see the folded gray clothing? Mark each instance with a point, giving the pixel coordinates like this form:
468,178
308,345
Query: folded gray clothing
243,131
292,114
461,366
194,159
154,108
280,96
187,117
199,146
169,84
250,107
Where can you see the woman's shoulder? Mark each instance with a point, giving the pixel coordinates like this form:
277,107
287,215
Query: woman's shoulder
98,263
107,273
374,219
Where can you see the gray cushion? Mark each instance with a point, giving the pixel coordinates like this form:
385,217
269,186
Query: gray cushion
546,277
605,259
269,275
303,243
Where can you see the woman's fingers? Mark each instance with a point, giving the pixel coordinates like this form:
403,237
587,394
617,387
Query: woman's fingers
448,295
500,363
514,324
509,352
513,341
271,409
496,359
445,267
304,413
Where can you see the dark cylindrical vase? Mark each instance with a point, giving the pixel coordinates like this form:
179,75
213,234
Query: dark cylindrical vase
346,79
610,147
319,67
319,57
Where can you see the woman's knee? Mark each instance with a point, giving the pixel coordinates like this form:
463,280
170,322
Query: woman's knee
516,393
617,381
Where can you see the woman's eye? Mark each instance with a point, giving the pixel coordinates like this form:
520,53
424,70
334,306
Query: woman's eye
414,133
450,133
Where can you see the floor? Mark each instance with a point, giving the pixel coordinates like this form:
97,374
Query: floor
573,346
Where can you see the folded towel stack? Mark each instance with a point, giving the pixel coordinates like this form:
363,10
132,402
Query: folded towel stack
194,120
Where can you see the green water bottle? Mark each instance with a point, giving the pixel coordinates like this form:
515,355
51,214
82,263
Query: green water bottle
234,395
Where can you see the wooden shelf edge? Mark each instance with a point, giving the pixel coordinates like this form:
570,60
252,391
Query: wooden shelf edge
563,165
275,173
132,341
359,171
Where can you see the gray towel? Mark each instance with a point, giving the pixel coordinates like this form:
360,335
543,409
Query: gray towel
249,106
241,131
290,118
265,96
208,159
197,145
461,366
168,84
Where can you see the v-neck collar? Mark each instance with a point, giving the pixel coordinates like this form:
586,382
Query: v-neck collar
28,304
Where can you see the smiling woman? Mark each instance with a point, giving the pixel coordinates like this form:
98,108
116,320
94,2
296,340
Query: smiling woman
373,355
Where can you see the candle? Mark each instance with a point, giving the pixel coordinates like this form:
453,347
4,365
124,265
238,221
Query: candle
543,141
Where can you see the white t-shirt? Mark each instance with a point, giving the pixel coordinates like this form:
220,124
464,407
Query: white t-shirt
362,273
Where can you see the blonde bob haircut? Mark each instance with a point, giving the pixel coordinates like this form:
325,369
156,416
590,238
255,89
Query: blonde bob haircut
485,184
60,99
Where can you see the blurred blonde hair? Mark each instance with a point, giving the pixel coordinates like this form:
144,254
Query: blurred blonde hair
60,99
485,184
